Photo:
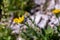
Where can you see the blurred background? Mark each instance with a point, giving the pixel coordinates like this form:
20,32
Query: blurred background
29,19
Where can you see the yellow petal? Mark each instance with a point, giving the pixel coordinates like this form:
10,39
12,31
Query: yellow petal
21,19
56,11
15,20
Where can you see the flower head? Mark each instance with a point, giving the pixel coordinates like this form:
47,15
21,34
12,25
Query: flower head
18,20
21,19
56,11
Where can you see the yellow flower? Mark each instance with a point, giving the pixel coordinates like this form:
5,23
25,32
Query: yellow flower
19,20
56,11
15,20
